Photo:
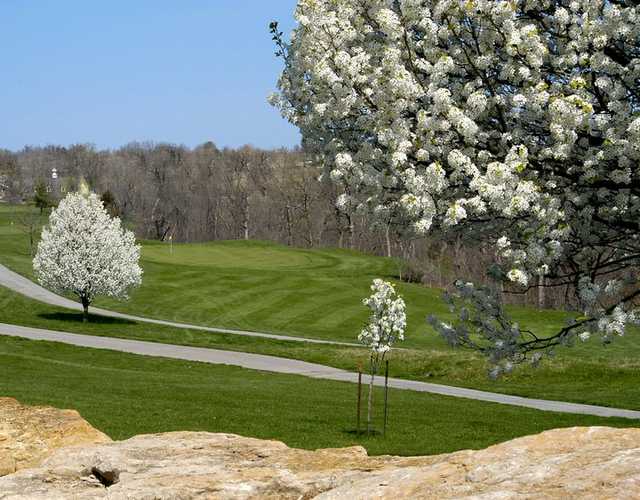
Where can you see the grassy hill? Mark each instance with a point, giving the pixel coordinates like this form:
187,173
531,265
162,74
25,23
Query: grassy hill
263,286
123,395
317,293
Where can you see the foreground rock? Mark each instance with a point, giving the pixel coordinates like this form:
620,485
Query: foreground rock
596,462
29,434
580,462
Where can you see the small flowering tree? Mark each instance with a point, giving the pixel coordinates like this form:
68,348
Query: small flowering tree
86,252
512,122
386,325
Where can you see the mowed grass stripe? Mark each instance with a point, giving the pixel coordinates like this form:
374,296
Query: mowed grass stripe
236,256
169,291
349,315
147,395
309,308
581,378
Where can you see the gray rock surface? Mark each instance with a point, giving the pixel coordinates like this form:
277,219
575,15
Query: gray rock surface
29,434
586,463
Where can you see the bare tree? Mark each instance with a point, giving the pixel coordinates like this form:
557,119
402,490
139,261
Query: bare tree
29,221
206,193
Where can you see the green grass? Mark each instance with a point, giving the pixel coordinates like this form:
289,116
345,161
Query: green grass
317,293
265,287
124,395
14,240
604,376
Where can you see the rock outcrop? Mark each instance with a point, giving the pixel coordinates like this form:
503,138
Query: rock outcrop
586,463
29,434
580,462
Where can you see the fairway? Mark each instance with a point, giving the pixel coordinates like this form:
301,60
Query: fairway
266,287
587,373
124,395
603,376
260,286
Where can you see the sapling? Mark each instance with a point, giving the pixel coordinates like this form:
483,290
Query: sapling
387,324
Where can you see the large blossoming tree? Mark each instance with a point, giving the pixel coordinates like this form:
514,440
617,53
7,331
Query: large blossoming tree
86,252
516,122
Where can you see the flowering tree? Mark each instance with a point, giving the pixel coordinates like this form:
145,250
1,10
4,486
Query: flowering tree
85,252
386,325
514,122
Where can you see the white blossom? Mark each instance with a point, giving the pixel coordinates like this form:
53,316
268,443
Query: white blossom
86,252
388,320
503,243
584,336
518,276
525,127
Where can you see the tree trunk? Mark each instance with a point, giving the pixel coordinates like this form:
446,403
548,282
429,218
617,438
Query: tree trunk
307,217
388,240
352,231
339,226
216,217
370,401
541,298
85,310
287,217
443,252
245,219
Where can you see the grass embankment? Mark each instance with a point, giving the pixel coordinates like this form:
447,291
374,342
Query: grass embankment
123,395
604,376
264,287
316,293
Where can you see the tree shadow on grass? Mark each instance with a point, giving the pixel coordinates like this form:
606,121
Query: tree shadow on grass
362,432
72,317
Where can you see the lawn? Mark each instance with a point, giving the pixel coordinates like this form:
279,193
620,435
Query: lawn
265,287
601,375
316,293
123,395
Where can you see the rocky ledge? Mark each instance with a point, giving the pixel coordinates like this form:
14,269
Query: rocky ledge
29,434
581,462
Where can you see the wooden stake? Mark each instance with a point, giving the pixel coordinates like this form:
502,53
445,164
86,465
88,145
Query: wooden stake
359,399
386,393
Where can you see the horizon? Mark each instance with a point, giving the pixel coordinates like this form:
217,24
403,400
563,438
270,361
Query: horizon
149,144
144,73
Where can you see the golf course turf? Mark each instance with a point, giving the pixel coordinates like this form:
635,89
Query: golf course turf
123,395
311,293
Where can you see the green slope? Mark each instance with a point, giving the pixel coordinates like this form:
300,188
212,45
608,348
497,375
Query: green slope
265,287
124,395
262,286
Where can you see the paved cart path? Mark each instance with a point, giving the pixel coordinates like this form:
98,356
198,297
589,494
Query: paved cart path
27,287
291,366
24,286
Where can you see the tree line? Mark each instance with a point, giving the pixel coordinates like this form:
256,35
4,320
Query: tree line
167,191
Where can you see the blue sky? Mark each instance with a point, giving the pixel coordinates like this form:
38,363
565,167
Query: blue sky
112,72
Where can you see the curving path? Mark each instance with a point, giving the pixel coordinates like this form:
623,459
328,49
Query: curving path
295,367
24,286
